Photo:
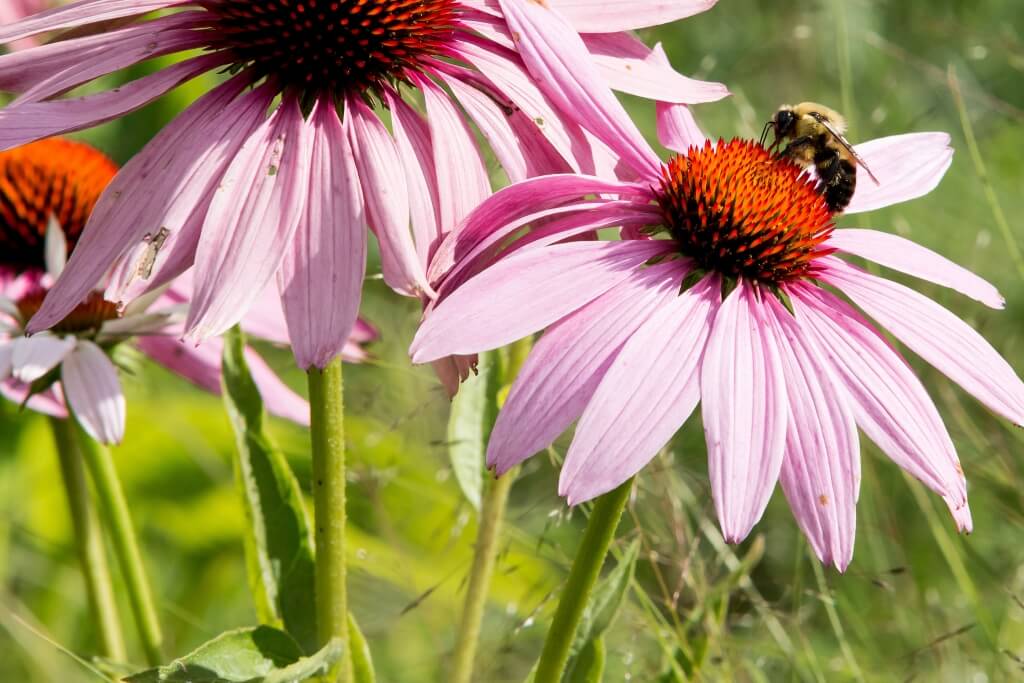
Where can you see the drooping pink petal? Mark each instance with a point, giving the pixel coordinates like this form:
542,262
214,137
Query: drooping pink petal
93,391
743,395
30,121
608,16
462,180
821,468
200,365
525,293
515,206
579,221
907,166
416,150
60,66
629,66
252,219
171,170
49,402
33,357
560,62
566,365
81,13
206,152
911,258
505,69
382,177
935,334
646,395
321,277
889,402
677,129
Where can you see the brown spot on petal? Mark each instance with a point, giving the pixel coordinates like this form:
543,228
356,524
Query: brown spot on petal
823,499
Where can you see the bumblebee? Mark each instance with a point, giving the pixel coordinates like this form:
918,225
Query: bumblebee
815,134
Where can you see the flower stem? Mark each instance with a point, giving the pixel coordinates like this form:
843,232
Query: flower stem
89,539
327,428
604,519
126,547
492,515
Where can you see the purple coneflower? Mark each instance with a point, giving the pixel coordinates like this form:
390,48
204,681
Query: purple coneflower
245,198
47,190
723,291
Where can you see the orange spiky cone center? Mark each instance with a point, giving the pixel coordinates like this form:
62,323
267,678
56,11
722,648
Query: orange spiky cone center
87,317
55,178
740,211
331,46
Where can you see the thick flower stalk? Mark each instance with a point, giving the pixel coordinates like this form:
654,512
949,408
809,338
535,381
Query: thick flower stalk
724,290
263,183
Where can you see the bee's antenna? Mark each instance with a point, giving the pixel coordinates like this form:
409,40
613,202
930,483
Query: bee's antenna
764,131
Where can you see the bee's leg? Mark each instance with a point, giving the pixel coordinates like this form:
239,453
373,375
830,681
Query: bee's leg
800,150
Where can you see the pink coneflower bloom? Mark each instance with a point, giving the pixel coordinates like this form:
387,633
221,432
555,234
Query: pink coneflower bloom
724,290
245,197
47,190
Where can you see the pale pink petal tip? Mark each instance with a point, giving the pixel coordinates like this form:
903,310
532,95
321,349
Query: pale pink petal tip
962,517
94,392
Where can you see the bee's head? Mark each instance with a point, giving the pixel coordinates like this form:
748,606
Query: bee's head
783,125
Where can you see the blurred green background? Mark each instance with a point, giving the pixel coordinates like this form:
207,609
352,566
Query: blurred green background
918,602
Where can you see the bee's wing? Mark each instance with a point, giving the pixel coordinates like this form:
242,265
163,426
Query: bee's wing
845,143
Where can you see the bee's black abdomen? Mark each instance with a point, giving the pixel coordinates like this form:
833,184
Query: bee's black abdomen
838,179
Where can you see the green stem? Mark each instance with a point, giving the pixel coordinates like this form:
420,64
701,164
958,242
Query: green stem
327,428
604,519
485,553
91,553
126,546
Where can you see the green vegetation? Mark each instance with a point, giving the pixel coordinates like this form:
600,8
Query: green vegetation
918,602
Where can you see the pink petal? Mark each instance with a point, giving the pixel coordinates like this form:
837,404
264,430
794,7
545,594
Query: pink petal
58,67
49,402
79,14
511,78
33,357
93,391
321,277
567,364
935,334
462,180
911,258
907,166
514,206
416,150
821,469
677,129
889,402
382,178
745,411
6,354
608,16
559,61
526,292
645,396
30,121
200,365
629,66
251,221
169,176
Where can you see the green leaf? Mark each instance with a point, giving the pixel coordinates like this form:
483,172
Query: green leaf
258,654
470,422
362,665
589,664
279,545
